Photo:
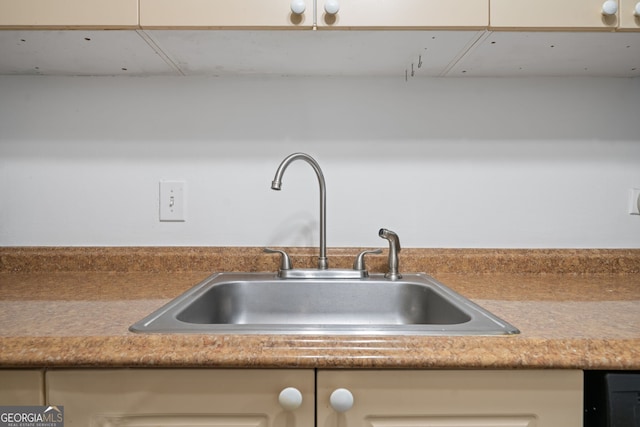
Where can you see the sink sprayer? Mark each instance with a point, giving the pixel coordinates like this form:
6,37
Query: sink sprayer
394,248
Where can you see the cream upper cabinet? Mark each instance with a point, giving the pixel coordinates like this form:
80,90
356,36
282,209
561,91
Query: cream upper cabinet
268,14
629,15
291,14
99,14
178,398
21,388
362,14
449,398
554,14
338,14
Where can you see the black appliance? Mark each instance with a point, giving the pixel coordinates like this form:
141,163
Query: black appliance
612,399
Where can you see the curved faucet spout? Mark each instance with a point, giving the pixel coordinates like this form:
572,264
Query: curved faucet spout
323,264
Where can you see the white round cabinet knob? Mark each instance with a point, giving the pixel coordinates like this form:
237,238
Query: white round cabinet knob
610,7
290,398
341,400
636,11
331,7
298,6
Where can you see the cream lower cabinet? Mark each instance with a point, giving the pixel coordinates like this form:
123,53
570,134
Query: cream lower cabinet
371,398
24,388
180,398
452,398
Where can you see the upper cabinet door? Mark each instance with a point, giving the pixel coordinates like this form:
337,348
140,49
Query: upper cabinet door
345,14
97,14
630,15
554,14
212,14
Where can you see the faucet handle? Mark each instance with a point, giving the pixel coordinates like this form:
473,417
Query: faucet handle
358,264
285,262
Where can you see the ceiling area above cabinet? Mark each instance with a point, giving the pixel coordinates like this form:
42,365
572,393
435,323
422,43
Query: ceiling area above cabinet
78,53
404,54
312,53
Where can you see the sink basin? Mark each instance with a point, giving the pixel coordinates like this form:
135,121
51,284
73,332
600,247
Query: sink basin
261,303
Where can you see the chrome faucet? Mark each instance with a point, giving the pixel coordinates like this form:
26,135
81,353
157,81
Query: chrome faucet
323,264
394,248
286,270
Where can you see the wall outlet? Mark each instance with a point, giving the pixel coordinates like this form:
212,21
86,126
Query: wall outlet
172,201
634,201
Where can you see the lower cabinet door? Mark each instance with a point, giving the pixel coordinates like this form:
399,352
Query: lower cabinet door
177,397
21,388
450,398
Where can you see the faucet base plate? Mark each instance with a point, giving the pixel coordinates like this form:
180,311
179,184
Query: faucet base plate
322,274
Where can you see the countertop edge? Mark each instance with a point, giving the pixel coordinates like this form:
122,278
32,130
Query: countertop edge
201,351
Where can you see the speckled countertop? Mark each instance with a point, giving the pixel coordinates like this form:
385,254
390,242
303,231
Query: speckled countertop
71,307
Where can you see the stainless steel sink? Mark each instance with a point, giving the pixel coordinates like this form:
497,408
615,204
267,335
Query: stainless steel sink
262,303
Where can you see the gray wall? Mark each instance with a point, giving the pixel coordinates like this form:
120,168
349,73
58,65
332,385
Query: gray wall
445,162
